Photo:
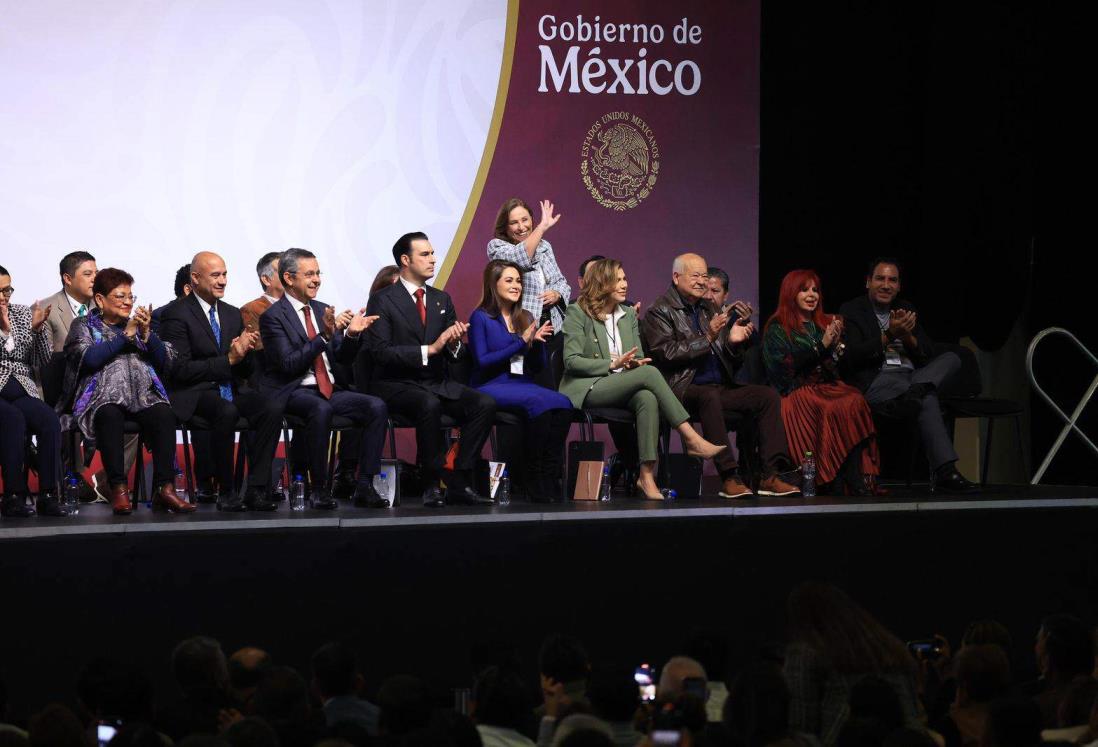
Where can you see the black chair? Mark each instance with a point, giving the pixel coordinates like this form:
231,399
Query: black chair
52,377
199,423
961,399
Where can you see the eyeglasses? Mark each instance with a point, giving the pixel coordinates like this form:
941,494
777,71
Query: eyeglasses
310,275
121,297
7,291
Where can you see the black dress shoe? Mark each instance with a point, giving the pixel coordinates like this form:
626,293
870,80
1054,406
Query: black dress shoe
206,492
344,486
15,506
323,502
949,480
432,498
466,497
231,503
366,496
49,505
257,499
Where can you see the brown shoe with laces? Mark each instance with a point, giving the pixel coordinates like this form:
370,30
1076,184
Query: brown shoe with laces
775,486
733,487
165,499
120,500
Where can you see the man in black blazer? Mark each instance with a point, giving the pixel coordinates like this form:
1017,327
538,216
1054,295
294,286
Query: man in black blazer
209,378
892,360
304,342
414,342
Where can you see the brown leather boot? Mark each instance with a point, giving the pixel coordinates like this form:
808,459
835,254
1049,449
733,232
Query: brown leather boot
120,500
165,499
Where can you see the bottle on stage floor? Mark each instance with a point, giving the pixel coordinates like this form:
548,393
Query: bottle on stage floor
604,486
381,485
181,485
297,494
808,475
503,492
280,489
72,494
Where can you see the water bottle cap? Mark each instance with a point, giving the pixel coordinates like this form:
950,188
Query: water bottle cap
808,453
298,477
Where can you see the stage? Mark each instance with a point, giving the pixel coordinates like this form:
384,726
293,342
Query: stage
97,519
443,592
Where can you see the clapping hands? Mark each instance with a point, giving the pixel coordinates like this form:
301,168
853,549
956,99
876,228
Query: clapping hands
901,323
450,337
540,334
833,332
241,345
628,360
38,315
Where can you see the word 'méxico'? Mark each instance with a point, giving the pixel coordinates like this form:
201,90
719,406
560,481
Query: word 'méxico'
613,75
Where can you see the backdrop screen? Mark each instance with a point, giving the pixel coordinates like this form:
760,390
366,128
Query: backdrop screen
146,130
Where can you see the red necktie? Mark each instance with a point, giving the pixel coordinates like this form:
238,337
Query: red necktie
323,383
421,306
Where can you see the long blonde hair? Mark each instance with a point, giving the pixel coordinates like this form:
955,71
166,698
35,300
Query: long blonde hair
599,281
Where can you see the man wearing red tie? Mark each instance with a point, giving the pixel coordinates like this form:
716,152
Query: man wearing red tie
416,338
302,338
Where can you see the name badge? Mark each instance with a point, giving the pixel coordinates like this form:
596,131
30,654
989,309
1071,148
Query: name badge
516,364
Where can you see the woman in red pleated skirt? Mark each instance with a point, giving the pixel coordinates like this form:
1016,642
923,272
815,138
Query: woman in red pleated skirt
801,349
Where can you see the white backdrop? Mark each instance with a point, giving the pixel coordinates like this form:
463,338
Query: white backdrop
146,130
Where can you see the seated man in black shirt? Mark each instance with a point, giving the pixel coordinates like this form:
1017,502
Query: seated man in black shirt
892,360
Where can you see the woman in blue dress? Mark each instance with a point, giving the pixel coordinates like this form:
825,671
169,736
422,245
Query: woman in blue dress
509,350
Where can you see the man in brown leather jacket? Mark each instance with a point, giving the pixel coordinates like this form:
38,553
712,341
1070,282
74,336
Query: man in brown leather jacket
693,343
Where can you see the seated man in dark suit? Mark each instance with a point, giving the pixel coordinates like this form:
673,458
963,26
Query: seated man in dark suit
892,360
416,337
209,379
698,347
302,340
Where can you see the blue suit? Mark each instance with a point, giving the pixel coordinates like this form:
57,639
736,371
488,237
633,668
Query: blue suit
289,355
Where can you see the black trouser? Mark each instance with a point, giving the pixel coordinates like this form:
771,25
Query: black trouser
362,409
264,416
474,411
221,438
157,431
545,436
19,413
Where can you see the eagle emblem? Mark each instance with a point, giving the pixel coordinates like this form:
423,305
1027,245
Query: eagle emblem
620,160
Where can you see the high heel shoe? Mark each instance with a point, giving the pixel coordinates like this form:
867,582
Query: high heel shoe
704,449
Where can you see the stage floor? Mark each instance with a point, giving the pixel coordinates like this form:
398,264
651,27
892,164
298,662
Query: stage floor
97,518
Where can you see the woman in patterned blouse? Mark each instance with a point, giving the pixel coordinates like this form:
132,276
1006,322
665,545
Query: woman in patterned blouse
25,346
115,365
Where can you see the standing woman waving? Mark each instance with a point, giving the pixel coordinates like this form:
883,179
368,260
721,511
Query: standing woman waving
545,292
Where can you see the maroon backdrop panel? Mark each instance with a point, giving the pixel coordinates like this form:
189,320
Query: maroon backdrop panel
647,143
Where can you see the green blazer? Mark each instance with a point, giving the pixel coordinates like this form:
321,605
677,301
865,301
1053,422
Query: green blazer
587,350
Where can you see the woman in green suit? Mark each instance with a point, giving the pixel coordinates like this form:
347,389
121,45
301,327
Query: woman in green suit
604,366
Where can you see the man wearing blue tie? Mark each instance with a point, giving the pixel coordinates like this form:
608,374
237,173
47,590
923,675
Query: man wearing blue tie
209,379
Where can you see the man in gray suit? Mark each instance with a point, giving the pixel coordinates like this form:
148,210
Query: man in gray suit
75,297
78,272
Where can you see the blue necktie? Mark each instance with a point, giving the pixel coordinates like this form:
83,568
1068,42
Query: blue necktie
226,389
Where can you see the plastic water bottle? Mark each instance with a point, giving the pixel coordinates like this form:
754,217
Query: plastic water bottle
381,485
297,494
808,475
280,489
181,485
71,495
503,492
604,486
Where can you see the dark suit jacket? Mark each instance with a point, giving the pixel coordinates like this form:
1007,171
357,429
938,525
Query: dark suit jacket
200,364
396,337
864,353
289,353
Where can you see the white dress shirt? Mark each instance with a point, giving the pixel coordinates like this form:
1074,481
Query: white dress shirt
75,305
206,311
310,378
412,288
613,335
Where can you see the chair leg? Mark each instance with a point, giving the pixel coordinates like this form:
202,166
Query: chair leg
286,454
188,469
494,441
1021,447
392,440
241,454
333,441
987,452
